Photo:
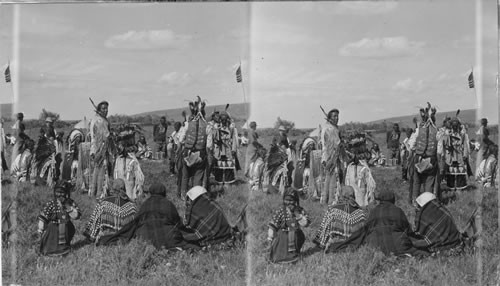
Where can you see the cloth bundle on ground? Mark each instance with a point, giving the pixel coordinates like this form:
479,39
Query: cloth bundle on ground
435,229
206,223
157,222
386,229
340,220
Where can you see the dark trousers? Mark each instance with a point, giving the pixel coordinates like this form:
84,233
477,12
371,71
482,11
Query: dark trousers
195,173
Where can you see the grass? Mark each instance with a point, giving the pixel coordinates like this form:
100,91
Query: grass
367,266
138,263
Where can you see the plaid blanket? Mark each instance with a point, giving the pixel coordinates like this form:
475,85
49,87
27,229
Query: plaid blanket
206,223
386,229
339,222
435,229
109,216
157,222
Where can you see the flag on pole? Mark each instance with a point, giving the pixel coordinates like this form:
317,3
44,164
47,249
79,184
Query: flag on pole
7,74
238,74
471,80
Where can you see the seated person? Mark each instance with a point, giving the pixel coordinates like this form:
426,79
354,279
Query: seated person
385,229
487,170
377,157
156,222
285,229
112,213
55,225
143,150
206,223
435,229
340,220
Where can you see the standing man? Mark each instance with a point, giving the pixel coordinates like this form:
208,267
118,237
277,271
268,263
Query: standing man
330,140
483,139
3,147
99,150
160,136
253,144
393,144
20,138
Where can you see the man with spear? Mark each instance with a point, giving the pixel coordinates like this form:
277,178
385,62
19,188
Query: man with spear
100,150
330,157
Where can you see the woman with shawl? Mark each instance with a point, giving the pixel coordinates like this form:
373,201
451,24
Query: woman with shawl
206,223
156,222
112,213
54,225
128,169
340,220
359,176
284,234
22,164
488,168
435,229
386,229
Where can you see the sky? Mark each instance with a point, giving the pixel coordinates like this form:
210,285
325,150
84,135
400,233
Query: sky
371,60
138,57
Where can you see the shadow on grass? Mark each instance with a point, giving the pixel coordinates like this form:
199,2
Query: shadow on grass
80,244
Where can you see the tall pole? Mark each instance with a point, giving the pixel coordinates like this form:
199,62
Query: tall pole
479,191
14,72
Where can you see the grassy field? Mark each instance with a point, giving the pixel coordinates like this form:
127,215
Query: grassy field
367,266
136,263
140,264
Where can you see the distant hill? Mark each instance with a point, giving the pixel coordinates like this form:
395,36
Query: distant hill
467,116
239,112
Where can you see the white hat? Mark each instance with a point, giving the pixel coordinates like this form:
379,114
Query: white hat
49,119
282,128
424,198
195,192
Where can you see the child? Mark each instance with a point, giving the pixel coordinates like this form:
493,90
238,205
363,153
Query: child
55,226
256,171
284,232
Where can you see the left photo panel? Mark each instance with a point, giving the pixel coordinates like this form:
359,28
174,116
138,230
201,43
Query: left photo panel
124,143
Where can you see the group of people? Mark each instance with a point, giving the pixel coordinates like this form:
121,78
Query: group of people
117,218
105,162
386,227
427,156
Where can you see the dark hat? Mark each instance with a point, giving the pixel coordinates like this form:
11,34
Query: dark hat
158,189
118,186
291,195
62,187
385,196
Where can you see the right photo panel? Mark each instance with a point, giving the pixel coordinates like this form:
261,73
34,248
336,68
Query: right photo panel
373,143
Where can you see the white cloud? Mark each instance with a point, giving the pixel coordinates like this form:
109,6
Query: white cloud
409,85
207,70
147,40
351,8
381,48
176,79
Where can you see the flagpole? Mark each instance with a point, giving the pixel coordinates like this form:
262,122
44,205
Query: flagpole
244,95
479,95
